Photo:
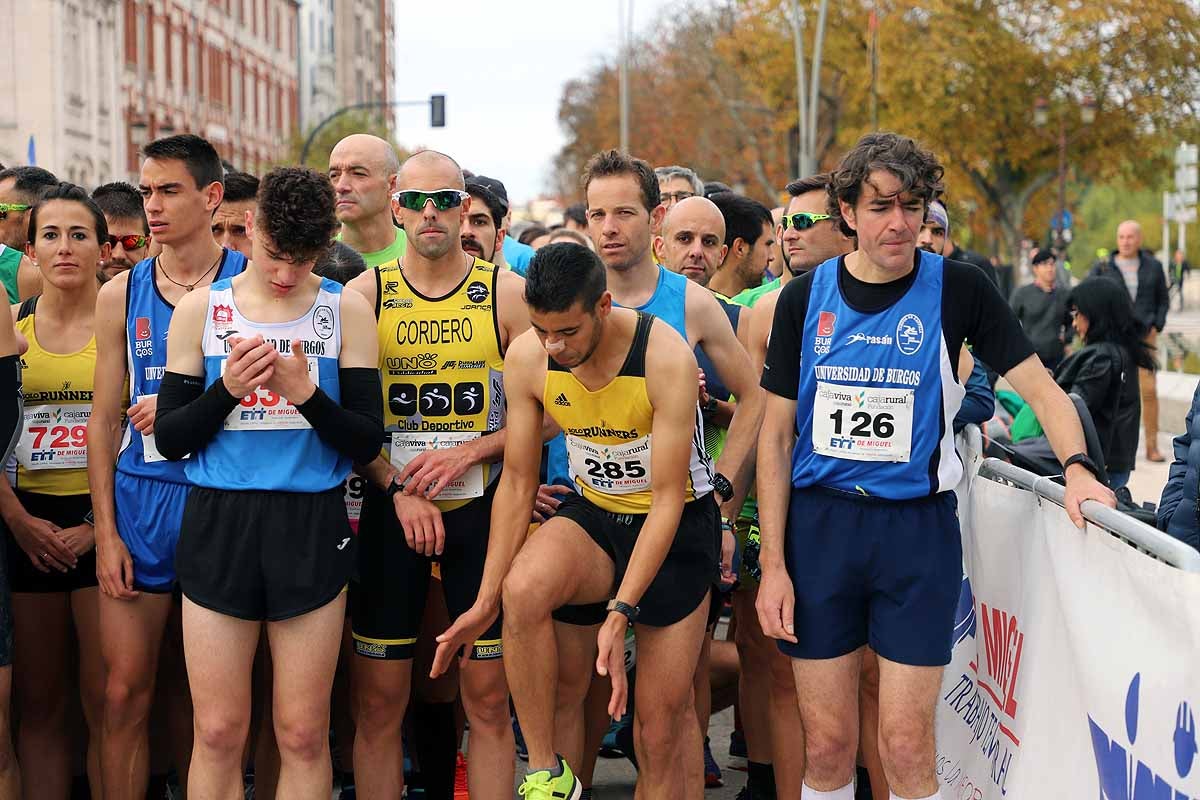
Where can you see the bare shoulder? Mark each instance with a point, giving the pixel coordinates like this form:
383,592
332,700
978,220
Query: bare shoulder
110,302
526,351
667,352
364,285
355,304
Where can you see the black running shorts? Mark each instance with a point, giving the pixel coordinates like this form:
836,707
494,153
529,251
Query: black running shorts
264,555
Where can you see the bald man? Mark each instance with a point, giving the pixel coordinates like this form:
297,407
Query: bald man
1142,275
445,320
363,170
692,241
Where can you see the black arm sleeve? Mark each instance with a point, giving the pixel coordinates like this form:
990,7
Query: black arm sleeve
11,404
188,417
781,372
354,428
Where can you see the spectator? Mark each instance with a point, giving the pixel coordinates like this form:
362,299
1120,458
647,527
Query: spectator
1179,271
1101,372
1041,307
1178,509
1141,274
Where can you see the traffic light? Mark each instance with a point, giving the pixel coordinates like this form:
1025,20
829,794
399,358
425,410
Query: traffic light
437,110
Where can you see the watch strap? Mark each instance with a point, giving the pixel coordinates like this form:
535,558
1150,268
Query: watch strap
630,612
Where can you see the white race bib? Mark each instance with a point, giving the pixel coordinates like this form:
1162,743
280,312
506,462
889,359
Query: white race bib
611,468
862,423
150,452
266,411
408,445
54,436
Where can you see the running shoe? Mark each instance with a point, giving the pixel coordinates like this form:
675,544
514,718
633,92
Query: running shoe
556,784
737,744
522,748
609,748
460,778
712,772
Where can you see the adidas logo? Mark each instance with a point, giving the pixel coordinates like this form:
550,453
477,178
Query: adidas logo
562,400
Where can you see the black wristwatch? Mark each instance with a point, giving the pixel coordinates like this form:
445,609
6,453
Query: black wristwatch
394,488
709,408
722,487
90,518
630,612
1085,461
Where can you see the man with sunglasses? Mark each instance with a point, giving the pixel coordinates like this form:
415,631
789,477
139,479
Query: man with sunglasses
128,230
445,319
20,189
363,170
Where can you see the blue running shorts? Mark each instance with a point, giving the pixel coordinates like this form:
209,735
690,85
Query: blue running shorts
149,514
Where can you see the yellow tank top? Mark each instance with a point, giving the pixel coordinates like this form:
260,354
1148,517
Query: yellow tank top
51,456
442,370
608,433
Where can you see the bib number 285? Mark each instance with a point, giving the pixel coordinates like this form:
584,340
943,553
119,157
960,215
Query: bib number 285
879,426
613,470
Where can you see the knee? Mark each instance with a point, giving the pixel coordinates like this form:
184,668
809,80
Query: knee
301,738
831,749
659,732
377,707
487,706
223,734
125,699
906,748
524,597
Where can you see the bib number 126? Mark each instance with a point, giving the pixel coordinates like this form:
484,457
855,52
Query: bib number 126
879,426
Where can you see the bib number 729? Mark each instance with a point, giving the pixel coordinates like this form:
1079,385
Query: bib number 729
614,470
880,426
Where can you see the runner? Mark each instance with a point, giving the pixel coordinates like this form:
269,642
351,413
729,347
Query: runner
863,421
46,509
363,171
265,535
229,226
128,230
20,189
643,535
445,320
138,497
11,419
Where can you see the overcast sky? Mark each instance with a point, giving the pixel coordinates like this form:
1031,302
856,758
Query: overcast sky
502,66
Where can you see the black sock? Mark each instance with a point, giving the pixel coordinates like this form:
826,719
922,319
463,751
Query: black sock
157,786
761,777
586,794
436,744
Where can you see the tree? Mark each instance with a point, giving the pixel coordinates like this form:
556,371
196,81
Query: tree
341,127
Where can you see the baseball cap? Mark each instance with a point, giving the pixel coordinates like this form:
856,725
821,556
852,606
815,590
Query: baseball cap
492,185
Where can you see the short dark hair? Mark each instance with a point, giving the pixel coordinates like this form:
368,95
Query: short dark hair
607,163
74,194
532,232
239,187
744,217
31,182
120,200
295,211
563,274
341,263
495,206
196,153
566,233
916,168
813,183
577,213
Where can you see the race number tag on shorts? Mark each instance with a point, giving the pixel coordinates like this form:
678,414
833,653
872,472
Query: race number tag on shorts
611,468
150,452
353,496
407,445
862,423
54,436
266,411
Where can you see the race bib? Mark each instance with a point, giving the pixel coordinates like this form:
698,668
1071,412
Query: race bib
408,445
54,437
353,496
862,423
611,468
266,411
150,452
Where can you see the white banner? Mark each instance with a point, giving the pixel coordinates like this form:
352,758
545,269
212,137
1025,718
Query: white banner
1076,665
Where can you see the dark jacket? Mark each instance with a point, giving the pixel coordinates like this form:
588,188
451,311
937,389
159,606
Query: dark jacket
1105,376
969,257
1152,300
1178,511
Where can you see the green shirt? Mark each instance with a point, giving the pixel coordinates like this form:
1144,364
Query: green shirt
10,261
749,297
392,252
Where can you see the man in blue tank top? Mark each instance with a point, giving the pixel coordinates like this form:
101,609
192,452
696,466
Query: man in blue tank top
862,545
138,496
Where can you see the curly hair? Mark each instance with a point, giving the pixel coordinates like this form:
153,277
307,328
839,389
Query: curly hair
295,212
917,170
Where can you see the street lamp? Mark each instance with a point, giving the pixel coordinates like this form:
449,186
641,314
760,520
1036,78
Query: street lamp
1041,116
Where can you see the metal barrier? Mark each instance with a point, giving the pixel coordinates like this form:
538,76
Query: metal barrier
1148,540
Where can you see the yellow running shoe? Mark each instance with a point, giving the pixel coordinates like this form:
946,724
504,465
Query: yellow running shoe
551,784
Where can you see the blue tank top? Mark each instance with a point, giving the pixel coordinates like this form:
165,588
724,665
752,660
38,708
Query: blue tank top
668,303
877,393
147,318
266,444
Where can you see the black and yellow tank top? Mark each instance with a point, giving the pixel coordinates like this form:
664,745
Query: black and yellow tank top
608,433
51,455
442,370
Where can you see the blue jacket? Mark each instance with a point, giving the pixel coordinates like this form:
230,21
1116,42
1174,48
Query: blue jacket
979,403
1178,511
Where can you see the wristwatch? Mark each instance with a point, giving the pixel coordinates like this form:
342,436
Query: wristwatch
1085,461
722,487
630,612
394,488
709,408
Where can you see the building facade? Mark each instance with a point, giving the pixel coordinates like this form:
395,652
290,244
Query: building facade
227,70
318,62
364,44
60,80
